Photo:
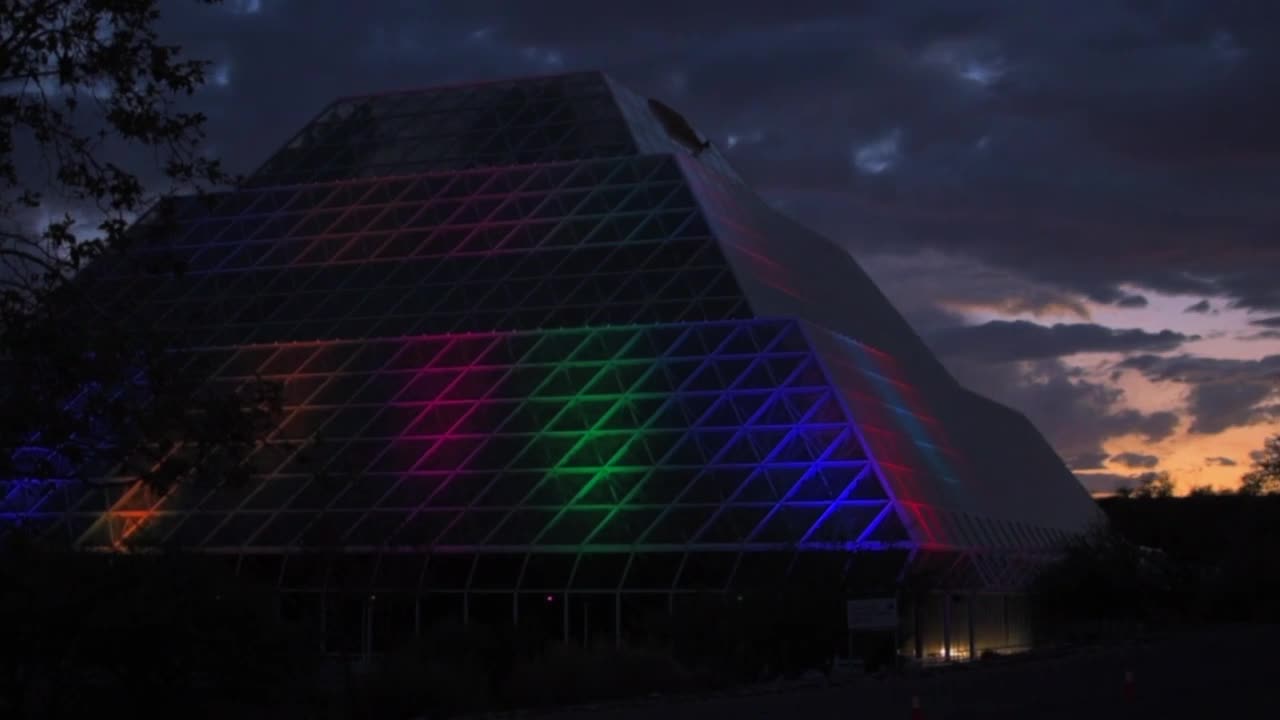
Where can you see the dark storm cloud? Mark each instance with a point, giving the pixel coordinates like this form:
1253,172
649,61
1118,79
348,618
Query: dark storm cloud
1271,322
1201,307
1069,142
1218,406
932,288
1028,155
1107,482
1135,460
1076,415
1224,393
1197,370
1008,341
1087,461
1132,301
1220,461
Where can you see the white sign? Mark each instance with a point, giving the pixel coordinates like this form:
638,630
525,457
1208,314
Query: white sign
872,614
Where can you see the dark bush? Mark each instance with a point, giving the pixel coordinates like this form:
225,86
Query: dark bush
181,634
1225,545
154,633
1104,584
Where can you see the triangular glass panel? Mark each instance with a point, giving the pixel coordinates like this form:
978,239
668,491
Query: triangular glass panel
824,484
741,452
573,526
679,525
794,450
788,524
888,528
768,484
610,487
778,413
767,440
626,525
724,414
715,444
868,487
758,377
748,404
734,524
740,342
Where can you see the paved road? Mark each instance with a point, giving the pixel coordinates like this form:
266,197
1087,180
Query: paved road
1219,675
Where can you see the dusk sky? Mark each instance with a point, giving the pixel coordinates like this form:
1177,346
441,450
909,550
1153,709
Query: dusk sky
1075,203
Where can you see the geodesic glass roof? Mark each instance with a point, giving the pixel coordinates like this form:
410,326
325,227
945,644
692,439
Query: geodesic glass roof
504,331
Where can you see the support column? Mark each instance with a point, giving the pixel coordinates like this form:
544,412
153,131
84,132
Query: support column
366,644
617,620
946,626
564,612
324,617
973,635
916,600
1004,610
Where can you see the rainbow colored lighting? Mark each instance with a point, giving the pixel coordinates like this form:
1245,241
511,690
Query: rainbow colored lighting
715,435
516,324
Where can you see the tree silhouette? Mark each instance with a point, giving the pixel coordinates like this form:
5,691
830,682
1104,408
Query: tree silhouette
1154,485
1264,478
92,125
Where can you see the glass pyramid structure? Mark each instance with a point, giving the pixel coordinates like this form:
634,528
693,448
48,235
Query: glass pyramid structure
531,342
